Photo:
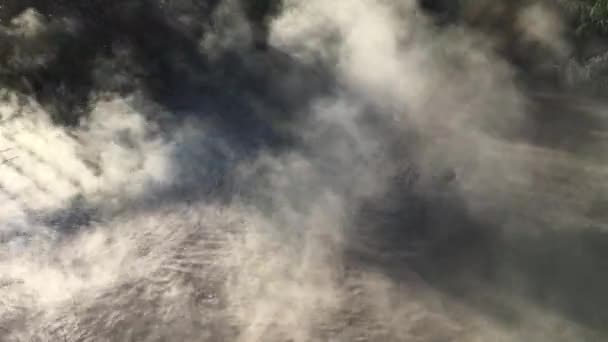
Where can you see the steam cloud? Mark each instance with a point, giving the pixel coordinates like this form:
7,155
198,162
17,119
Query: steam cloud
369,177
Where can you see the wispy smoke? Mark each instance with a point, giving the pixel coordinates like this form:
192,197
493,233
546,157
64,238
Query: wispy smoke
370,176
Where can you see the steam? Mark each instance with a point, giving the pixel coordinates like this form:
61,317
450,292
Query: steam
543,26
148,222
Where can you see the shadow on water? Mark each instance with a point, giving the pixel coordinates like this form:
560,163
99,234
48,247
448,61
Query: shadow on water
123,46
249,95
64,84
480,264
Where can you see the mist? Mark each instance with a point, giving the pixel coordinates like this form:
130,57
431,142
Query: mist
322,171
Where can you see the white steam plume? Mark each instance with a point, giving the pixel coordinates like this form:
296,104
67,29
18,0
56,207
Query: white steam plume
133,228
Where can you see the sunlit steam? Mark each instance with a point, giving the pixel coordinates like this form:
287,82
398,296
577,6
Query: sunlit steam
369,176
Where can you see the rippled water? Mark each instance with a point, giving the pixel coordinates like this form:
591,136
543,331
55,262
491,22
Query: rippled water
368,177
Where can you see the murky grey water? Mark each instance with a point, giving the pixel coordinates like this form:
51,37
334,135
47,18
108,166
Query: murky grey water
368,177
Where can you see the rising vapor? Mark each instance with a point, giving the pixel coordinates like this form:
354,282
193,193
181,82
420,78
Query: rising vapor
322,171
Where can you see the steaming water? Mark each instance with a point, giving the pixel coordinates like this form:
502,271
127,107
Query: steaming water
422,197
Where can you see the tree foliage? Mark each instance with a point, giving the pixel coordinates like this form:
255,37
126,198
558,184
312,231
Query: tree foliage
592,16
